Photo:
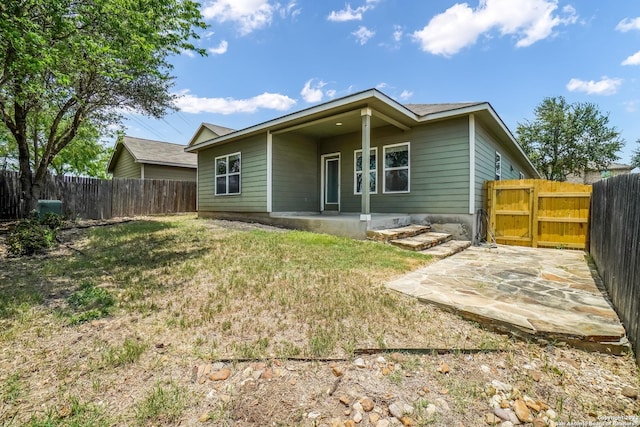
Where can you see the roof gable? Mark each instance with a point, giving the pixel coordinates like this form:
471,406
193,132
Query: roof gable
426,109
208,131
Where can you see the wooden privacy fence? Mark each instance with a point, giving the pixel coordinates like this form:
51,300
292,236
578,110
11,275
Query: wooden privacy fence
92,198
615,247
534,212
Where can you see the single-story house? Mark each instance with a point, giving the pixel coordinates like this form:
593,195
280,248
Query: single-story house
427,164
594,174
149,159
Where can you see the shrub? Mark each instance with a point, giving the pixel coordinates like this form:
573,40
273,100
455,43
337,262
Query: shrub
33,235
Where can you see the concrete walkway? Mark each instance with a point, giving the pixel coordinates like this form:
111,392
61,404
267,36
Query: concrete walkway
534,293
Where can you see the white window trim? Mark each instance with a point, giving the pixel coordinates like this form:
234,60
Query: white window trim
498,167
216,175
356,172
385,169
521,175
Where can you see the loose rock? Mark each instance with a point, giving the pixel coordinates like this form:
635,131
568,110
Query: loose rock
491,419
444,368
367,404
407,421
522,411
337,371
220,375
630,392
360,363
396,410
383,423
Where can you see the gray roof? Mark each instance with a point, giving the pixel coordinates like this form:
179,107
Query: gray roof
426,109
619,166
218,130
159,152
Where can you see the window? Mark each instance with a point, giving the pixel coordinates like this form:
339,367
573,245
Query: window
396,168
521,175
498,166
228,174
373,160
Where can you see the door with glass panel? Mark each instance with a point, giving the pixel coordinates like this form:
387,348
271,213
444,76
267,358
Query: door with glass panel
331,183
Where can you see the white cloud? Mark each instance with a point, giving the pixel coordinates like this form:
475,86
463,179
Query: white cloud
349,14
382,85
250,15
461,25
331,93
633,59
189,103
289,10
628,24
605,86
363,34
312,91
222,48
406,94
397,33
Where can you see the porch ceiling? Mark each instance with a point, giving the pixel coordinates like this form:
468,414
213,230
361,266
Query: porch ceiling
339,124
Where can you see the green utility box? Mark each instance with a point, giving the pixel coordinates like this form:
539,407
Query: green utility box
49,206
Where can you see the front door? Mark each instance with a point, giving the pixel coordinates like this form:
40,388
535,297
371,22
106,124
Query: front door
331,182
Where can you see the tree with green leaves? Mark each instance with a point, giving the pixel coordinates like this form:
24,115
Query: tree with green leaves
568,138
70,68
635,156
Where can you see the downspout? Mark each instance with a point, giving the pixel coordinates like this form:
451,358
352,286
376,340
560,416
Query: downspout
472,175
365,214
141,170
269,172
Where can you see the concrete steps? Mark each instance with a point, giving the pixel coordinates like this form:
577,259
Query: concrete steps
419,238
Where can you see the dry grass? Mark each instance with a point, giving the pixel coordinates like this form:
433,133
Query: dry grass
191,291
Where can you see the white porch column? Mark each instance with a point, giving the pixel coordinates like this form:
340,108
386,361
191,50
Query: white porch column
365,214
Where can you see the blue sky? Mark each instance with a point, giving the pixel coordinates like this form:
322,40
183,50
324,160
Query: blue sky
269,58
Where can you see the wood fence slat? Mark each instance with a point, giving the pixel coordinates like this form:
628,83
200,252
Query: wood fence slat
614,245
92,198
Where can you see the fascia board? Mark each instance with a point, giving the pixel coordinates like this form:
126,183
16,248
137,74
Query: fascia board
309,112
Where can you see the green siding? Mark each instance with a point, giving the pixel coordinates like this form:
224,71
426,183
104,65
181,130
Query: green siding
253,177
169,172
295,174
486,146
126,166
439,168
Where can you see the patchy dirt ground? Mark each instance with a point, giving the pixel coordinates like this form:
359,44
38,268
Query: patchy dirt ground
45,365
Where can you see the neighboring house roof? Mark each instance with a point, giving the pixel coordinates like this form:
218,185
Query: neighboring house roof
153,152
321,120
616,166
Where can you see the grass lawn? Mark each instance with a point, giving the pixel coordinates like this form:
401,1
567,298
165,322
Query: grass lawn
107,329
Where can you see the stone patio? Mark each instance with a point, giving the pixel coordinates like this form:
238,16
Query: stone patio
547,294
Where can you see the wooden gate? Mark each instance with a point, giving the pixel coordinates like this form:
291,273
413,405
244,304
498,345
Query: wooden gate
534,212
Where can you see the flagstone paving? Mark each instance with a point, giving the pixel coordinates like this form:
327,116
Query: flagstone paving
547,294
